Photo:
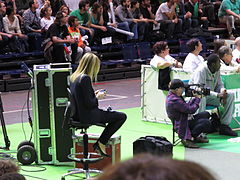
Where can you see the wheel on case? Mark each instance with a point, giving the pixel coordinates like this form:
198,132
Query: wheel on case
26,155
23,143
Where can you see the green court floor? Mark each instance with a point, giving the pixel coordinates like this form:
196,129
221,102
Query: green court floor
131,130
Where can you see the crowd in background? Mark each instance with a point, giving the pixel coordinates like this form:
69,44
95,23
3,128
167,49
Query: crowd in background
24,24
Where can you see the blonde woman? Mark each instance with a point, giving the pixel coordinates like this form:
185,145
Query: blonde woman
87,101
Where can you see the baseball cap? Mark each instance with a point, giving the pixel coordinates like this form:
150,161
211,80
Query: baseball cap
176,83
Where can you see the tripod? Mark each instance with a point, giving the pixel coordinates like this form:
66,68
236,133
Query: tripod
7,142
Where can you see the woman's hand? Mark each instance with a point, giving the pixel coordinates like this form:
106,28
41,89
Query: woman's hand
100,94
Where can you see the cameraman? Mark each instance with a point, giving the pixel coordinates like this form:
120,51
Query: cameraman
209,75
187,125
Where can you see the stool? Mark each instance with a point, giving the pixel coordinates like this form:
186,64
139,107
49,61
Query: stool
87,156
68,123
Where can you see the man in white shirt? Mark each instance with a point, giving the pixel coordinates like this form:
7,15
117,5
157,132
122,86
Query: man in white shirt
225,54
166,15
193,59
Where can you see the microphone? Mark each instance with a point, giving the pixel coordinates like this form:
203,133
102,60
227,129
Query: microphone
27,69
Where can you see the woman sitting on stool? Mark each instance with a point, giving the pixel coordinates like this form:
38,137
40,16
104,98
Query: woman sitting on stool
87,101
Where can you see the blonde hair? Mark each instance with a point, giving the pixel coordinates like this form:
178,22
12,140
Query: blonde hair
89,64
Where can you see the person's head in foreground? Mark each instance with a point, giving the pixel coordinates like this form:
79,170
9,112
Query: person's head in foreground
12,176
149,167
8,166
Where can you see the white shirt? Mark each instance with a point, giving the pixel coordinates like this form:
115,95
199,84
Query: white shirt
231,68
46,23
163,8
192,62
11,27
157,59
236,55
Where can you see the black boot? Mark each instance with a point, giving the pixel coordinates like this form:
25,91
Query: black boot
226,130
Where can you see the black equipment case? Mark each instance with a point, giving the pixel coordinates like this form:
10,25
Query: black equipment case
156,145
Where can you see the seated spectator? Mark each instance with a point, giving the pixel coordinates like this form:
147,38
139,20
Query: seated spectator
149,167
75,34
161,58
8,166
236,51
227,65
11,4
84,18
147,14
162,61
56,4
47,18
123,14
193,59
146,10
65,9
12,176
187,125
7,41
229,14
217,44
166,16
207,7
97,23
183,15
143,23
44,4
58,33
32,25
197,18
209,75
11,26
108,18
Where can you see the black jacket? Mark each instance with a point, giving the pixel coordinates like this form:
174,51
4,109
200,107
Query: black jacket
87,110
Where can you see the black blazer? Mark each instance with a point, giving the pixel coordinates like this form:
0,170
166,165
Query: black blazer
86,103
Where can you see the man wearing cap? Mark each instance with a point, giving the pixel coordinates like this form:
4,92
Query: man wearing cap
187,125
209,75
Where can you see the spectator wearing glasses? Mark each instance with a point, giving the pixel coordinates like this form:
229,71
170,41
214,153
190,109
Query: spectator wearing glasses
227,65
162,59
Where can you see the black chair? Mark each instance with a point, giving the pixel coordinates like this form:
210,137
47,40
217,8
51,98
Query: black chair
69,122
174,141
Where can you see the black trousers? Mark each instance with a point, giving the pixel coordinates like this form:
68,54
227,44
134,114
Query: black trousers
59,55
200,123
114,121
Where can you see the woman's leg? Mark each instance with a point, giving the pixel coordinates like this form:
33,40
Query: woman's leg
114,121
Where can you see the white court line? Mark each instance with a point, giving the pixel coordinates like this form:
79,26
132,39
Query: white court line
14,111
136,95
114,97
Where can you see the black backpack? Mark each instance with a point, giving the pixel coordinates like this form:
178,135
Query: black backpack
156,145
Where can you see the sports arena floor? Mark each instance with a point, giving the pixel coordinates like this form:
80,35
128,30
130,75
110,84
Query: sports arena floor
219,156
